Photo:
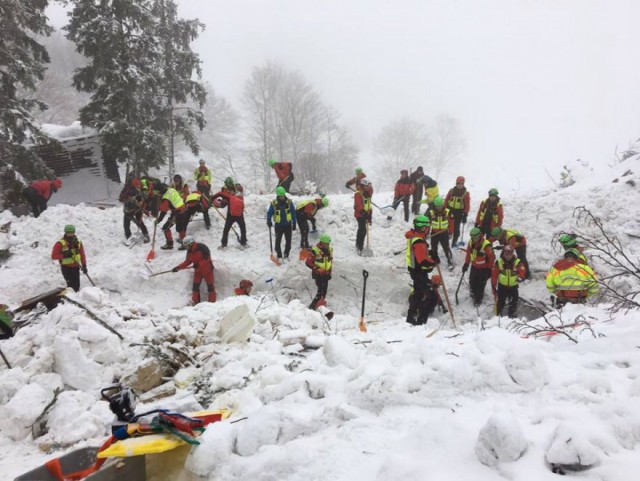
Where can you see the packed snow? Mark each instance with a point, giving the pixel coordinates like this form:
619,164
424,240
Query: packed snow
314,398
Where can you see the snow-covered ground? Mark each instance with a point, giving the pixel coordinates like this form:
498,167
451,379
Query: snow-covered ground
321,399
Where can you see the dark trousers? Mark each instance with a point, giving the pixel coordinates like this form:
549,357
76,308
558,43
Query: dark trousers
303,225
361,233
283,230
286,183
457,220
441,238
420,303
71,276
234,219
38,203
477,281
205,189
322,283
417,197
191,211
510,294
486,225
404,200
522,255
137,220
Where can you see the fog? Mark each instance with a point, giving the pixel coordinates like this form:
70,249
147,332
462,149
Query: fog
534,84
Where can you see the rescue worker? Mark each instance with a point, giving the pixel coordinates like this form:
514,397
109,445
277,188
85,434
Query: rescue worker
570,241
481,257
416,178
133,209
202,176
441,226
235,215
132,187
320,262
283,213
39,192
172,201
419,265
231,186
362,211
284,172
402,193
152,190
306,211
69,251
507,273
490,213
244,289
355,181
200,256
6,322
571,280
458,201
197,202
431,189
514,239
180,186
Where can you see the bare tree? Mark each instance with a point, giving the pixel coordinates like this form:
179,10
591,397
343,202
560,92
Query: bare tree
448,144
402,144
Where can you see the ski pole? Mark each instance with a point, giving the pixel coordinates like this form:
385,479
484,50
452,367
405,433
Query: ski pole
361,325
446,297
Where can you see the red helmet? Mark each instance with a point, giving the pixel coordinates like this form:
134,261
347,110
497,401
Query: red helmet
136,183
436,280
460,180
57,183
246,284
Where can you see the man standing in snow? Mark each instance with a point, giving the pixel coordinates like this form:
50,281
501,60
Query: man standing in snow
133,209
305,213
419,265
362,211
202,176
200,256
69,251
416,178
235,214
283,213
458,201
514,239
284,172
571,280
507,273
402,193
481,257
320,262
490,213
39,192
441,227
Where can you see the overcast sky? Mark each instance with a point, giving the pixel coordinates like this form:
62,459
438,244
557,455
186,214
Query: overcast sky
534,83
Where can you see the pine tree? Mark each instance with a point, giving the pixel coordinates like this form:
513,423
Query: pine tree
22,64
140,66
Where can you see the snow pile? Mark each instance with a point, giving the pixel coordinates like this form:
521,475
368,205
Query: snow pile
321,399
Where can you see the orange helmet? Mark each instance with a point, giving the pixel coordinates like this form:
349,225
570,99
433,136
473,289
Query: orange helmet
460,180
436,280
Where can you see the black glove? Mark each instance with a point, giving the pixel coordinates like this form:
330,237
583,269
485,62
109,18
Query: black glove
269,224
553,301
435,257
444,309
465,268
464,218
293,227
84,269
175,269
346,186
67,254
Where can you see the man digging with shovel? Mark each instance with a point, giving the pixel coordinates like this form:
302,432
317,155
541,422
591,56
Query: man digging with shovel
362,211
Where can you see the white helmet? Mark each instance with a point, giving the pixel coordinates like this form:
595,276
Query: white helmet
365,182
188,240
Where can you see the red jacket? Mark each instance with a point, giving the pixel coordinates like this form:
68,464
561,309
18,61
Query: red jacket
418,257
362,206
404,187
74,247
458,199
234,202
200,256
44,188
494,210
480,254
311,208
283,169
355,180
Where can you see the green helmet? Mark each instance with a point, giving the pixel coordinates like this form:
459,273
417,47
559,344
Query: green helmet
229,181
496,231
438,201
493,191
568,240
325,239
280,191
69,229
271,163
325,202
359,170
421,221
475,232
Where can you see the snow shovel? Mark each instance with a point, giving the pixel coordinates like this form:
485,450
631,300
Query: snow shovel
367,252
273,258
304,253
152,253
361,325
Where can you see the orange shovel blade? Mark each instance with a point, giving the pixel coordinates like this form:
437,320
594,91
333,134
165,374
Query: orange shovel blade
361,325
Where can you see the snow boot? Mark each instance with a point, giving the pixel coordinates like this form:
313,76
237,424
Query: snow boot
167,246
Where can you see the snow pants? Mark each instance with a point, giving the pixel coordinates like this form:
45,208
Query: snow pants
507,294
361,233
441,238
137,220
402,200
303,225
322,283
180,219
421,304
38,203
283,230
457,221
234,219
204,271
71,276
417,198
477,282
